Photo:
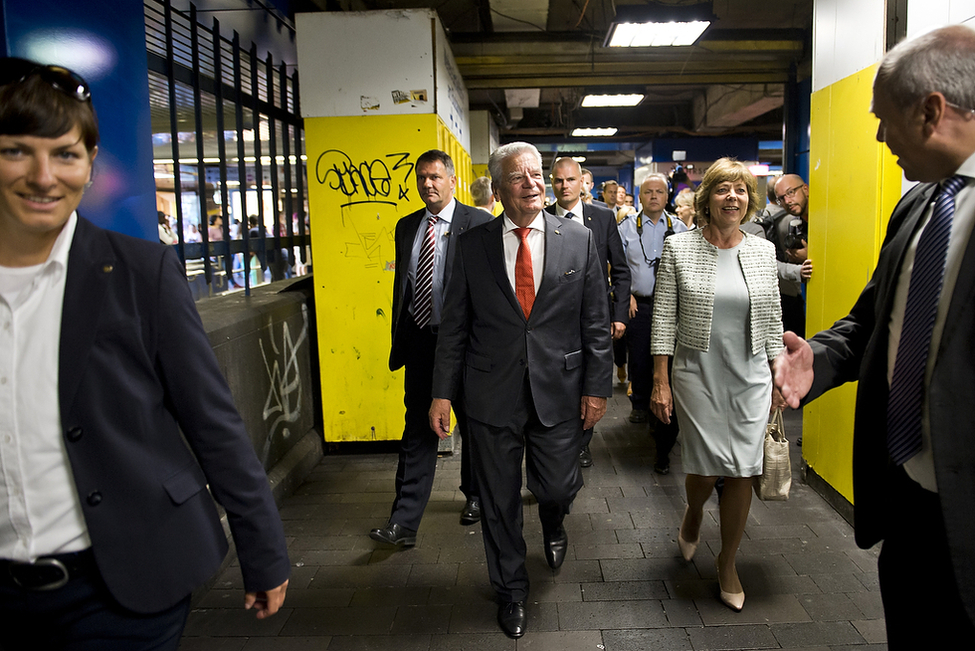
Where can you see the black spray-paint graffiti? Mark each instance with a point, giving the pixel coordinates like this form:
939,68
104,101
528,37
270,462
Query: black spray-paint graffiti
367,181
283,403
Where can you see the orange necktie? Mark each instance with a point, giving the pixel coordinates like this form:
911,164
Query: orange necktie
524,277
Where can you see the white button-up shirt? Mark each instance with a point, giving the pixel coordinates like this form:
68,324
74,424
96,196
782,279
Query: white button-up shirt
40,512
536,245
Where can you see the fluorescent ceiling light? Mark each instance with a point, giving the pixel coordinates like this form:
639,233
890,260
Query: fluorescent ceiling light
611,100
656,34
657,25
597,131
579,159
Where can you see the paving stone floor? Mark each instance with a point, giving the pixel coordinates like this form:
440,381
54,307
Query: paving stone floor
623,586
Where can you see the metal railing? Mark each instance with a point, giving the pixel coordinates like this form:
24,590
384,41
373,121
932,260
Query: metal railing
199,77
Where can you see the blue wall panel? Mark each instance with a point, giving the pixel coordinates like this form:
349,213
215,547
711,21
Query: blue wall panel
105,43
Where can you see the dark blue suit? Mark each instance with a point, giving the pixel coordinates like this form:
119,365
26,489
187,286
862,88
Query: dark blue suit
136,369
414,349
922,527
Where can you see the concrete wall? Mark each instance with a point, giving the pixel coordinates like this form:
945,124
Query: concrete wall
266,348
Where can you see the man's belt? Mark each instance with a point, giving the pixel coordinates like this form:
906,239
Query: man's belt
47,572
645,299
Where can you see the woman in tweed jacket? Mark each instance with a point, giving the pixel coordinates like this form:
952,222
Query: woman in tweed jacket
717,313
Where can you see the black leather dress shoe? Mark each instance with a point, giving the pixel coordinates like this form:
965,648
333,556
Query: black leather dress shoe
394,534
513,618
472,511
585,457
639,416
555,546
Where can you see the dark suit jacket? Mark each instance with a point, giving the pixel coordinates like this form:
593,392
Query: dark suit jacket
465,217
136,368
609,248
855,348
486,345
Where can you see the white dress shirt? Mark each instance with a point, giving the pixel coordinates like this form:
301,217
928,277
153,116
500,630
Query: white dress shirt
441,232
536,244
40,512
576,211
920,467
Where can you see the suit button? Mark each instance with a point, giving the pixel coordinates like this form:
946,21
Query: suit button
74,434
521,361
94,498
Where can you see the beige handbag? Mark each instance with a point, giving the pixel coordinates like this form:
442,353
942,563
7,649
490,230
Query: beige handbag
776,478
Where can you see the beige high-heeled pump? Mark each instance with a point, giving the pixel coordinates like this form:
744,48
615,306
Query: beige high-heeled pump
687,547
733,600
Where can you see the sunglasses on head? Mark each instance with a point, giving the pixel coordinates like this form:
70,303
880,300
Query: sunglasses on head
15,71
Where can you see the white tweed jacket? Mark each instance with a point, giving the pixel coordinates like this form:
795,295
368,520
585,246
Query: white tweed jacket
684,295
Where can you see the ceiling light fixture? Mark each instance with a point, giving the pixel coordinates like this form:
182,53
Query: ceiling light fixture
586,132
611,100
656,25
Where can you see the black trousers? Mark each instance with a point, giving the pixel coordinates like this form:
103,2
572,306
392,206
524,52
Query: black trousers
639,360
551,457
641,376
418,449
794,314
83,616
917,582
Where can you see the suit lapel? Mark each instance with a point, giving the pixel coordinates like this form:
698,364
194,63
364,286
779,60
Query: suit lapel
553,255
91,263
491,237
461,220
899,243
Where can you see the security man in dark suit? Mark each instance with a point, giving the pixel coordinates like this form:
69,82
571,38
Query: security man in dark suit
568,185
425,248
909,342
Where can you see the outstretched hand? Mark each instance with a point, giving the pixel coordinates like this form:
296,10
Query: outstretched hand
793,369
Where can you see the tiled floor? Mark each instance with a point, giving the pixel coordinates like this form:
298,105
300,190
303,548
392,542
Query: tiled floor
623,586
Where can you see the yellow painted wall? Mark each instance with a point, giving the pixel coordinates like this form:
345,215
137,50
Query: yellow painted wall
853,186
361,182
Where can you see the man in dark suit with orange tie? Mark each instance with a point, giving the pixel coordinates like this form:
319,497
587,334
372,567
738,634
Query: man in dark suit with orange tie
425,249
568,185
909,342
525,343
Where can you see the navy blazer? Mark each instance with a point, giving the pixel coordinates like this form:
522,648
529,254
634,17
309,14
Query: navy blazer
135,370
609,248
486,345
855,348
465,217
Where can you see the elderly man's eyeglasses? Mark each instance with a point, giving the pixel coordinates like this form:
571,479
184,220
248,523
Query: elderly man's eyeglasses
788,194
15,71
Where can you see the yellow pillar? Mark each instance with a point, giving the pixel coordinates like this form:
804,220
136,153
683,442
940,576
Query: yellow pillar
369,113
854,184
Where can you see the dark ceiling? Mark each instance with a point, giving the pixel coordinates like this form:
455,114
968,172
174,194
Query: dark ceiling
731,82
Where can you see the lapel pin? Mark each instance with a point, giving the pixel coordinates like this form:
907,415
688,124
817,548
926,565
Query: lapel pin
108,268
557,232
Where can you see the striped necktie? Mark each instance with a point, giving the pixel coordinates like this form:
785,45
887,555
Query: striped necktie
923,296
423,296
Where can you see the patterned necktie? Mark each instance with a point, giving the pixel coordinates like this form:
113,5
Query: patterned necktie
423,296
923,296
524,278
568,215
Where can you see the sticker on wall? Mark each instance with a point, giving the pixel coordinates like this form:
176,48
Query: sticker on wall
408,97
368,103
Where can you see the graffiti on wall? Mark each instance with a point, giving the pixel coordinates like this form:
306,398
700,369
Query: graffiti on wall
365,181
282,407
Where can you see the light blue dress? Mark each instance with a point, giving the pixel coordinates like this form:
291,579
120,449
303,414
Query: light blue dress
722,396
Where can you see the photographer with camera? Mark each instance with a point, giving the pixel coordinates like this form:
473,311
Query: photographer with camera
790,234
